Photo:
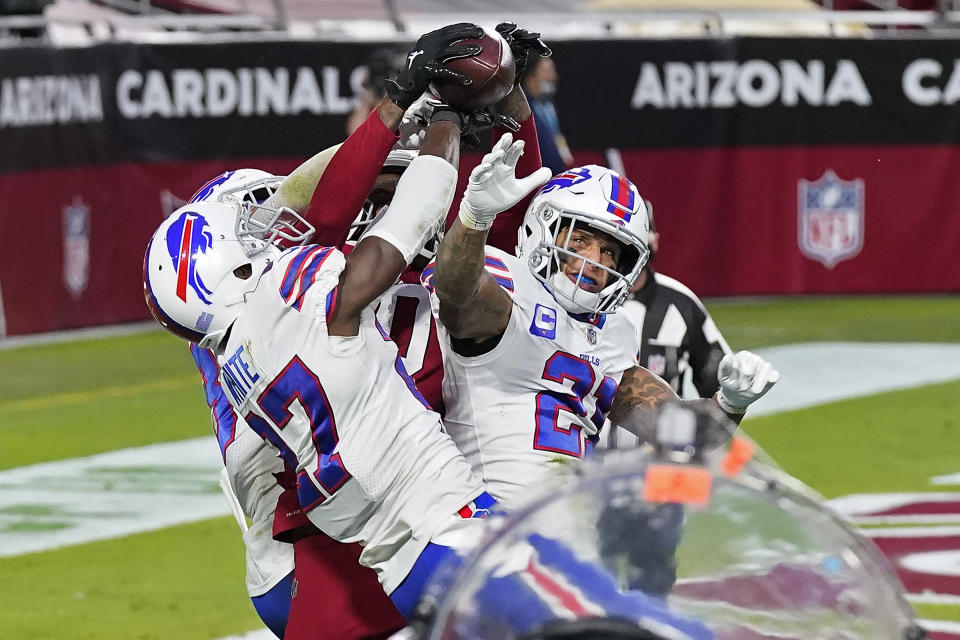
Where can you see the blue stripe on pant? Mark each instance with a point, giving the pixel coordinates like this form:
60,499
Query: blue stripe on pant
406,596
553,585
273,607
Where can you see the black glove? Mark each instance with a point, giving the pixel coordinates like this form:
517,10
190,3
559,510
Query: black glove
522,43
425,62
471,123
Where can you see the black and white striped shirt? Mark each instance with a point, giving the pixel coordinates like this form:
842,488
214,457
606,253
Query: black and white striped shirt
678,341
678,338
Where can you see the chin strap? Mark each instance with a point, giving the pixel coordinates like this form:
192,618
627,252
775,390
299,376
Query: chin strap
571,297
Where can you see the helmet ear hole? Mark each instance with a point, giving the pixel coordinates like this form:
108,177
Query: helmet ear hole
244,271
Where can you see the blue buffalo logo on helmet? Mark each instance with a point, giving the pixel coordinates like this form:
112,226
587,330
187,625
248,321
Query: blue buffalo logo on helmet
207,190
188,237
566,179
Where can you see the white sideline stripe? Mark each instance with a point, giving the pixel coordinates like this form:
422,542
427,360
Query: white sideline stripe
911,532
932,598
72,335
948,479
941,626
857,504
262,634
904,519
55,504
821,372
83,498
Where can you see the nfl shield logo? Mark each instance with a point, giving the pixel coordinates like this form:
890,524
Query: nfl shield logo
76,247
657,363
591,336
830,211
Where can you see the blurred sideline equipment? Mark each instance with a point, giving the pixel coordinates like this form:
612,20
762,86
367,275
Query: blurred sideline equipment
757,558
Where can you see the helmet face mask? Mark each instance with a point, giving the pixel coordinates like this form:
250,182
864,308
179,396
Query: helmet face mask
255,190
202,261
385,186
259,224
369,214
581,200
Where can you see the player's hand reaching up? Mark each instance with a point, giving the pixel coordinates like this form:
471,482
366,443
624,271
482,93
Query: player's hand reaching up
744,378
425,62
413,125
523,43
494,186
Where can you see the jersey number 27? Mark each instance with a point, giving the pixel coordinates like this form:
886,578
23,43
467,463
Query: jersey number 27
298,383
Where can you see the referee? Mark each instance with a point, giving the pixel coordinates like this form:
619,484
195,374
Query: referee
678,339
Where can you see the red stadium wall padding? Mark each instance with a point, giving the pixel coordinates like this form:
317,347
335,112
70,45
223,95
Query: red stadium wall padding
72,241
776,165
730,223
728,218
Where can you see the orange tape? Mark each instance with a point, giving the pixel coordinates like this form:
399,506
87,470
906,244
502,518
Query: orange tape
674,483
739,455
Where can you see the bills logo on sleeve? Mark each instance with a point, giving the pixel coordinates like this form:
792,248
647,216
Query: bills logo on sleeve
188,238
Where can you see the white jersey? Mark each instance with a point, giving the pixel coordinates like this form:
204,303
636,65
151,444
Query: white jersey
373,463
542,394
249,462
250,465
248,482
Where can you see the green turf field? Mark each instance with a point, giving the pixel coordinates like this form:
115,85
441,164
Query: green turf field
181,583
751,325
186,582
79,398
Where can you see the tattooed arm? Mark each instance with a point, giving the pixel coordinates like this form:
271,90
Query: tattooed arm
640,395
472,304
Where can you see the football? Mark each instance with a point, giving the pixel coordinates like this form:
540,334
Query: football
492,70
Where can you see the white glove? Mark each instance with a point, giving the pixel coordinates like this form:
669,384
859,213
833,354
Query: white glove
744,378
494,186
413,125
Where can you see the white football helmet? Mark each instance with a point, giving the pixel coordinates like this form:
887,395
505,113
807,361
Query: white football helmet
260,185
203,260
248,187
597,199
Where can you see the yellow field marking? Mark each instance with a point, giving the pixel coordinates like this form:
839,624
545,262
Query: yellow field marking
119,391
